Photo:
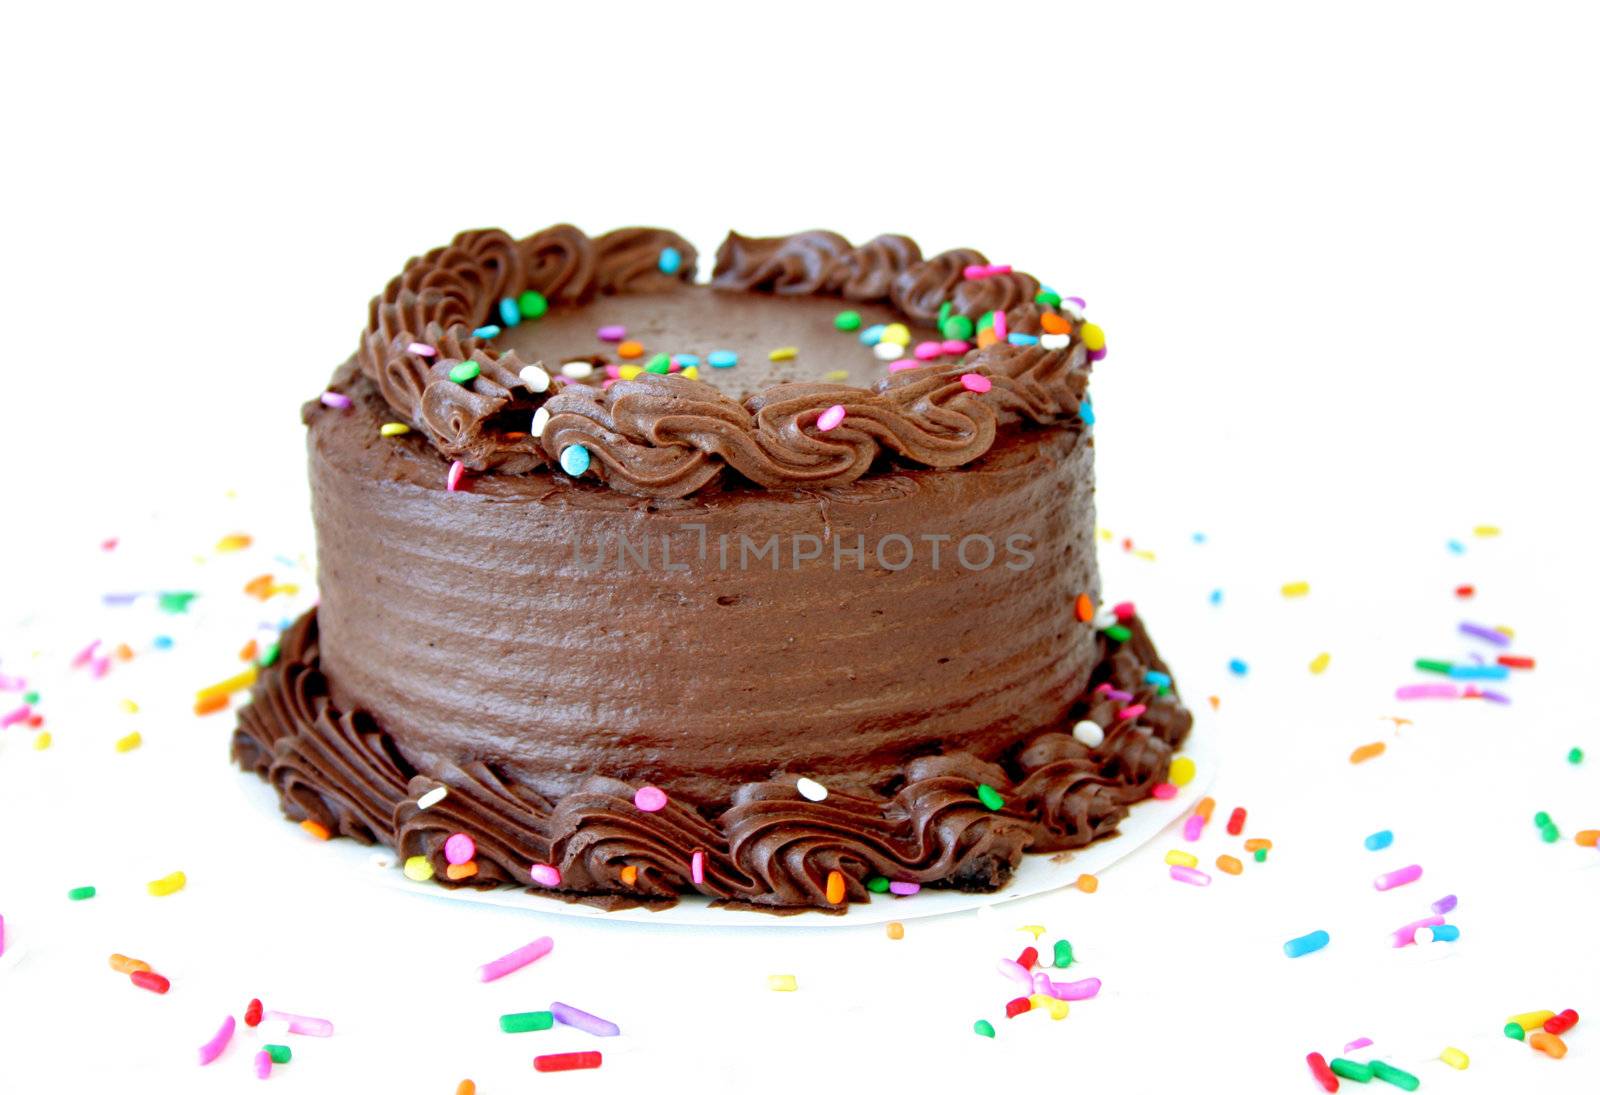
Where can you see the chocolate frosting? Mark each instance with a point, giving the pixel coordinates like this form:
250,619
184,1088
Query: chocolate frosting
669,436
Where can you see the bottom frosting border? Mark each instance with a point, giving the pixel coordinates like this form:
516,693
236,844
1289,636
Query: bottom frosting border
771,849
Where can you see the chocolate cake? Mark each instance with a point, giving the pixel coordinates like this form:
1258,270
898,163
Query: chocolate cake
779,589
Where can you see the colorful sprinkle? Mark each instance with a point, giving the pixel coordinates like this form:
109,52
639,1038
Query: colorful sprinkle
697,867
650,799
830,418
983,1028
847,321
335,400
1367,752
129,742
783,353
219,1041
611,333
393,429
1227,864
417,868
150,981
782,982
895,930
421,349
566,1062
1402,877
670,261
722,359
166,885
835,888
976,382
459,848
522,956
567,1015
1306,944
1398,1077
1189,875
1320,1071
544,874
81,893
575,460
1319,663
990,797
1379,840
810,789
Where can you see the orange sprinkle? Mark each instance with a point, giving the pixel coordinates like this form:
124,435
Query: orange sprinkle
1215,702
1548,1044
123,964
210,705
1205,806
630,875
247,653
1054,324
1229,865
260,586
629,349
987,337
1257,843
1367,752
234,541
455,872
1588,837
466,1087
835,887
1084,607
1088,883
124,652
316,829
895,929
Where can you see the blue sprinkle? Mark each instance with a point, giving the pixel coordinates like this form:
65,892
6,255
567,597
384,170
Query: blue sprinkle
1306,944
510,314
1457,547
1378,841
1445,933
670,260
1480,672
1157,678
1199,537
722,359
1086,412
1017,338
1238,668
575,460
1216,596
872,335
162,642
686,361
488,330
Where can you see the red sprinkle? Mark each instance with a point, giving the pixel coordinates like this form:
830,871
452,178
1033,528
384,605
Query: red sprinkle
1236,821
1324,1074
1560,1024
566,1062
1464,592
145,979
252,1013
1515,661
1028,958
1018,1006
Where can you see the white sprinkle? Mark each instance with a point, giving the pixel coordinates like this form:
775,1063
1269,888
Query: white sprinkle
541,419
1090,733
534,378
432,798
810,789
1105,618
1055,342
578,370
888,351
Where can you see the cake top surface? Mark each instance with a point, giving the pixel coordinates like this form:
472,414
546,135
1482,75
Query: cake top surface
806,361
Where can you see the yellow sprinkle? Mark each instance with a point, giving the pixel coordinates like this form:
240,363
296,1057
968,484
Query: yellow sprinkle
1296,589
1144,553
129,707
1036,929
1454,1058
895,929
1179,858
1508,632
1319,663
1041,1002
1180,772
171,884
692,372
782,982
1486,530
42,740
1531,1020
418,869
896,332
288,589
233,542
784,353
129,742
629,372
393,429
1092,336
836,374
235,683
1104,534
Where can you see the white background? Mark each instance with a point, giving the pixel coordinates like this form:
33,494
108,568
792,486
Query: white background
1346,260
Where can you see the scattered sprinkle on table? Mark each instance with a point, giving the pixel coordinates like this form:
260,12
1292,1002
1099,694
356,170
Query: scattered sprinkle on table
167,884
782,982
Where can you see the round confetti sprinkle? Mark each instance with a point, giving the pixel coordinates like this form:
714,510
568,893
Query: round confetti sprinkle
630,349
783,353
611,333
990,797
1237,667
722,359
1181,771
488,330
956,327
650,799
532,304
544,874
830,418
670,261
976,382
535,379
393,429
459,848
464,371
510,314
574,459
847,321
418,869
1089,733
888,351
810,789
1575,755
335,400
659,364
1087,883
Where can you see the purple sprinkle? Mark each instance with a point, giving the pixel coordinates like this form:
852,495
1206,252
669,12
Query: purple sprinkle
1079,301
904,889
12,684
590,1024
334,399
612,333
1097,355
1118,695
1359,1043
1075,990
421,349
1427,692
1495,697
1487,634
119,598
1445,904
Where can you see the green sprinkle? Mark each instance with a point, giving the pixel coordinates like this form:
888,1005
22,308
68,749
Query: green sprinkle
268,656
983,1027
1046,296
1541,819
990,797
175,602
532,305
985,321
80,893
1398,1077
280,1054
1428,665
1574,757
464,372
847,321
1350,1070
1512,1030
1550,834
1063,955
1118,634
518,1022
944,312
878,884
660,363
957,327
1261,855
31,698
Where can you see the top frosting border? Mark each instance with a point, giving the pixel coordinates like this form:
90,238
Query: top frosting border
667,436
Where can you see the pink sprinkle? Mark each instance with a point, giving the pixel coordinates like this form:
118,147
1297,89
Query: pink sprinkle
1359,1043
1000,329
544,874
612,333
510,963
452,480
955,346
1014,970
605,385
927,351
1132,711
14,716
1164,791
334,399
674,366
1398,878
1427,692
1404,937
974,272
301,1024
1086,989
1118,695
12,684
976,382
263,1064
697,867
81,658
614,372
1193,827
831,417
902,365
904,889
421,349
219,1042
100,666
650,799
1189,875
1124,611
459,848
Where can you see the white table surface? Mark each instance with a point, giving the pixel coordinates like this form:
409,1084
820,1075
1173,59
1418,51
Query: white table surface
1346,268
